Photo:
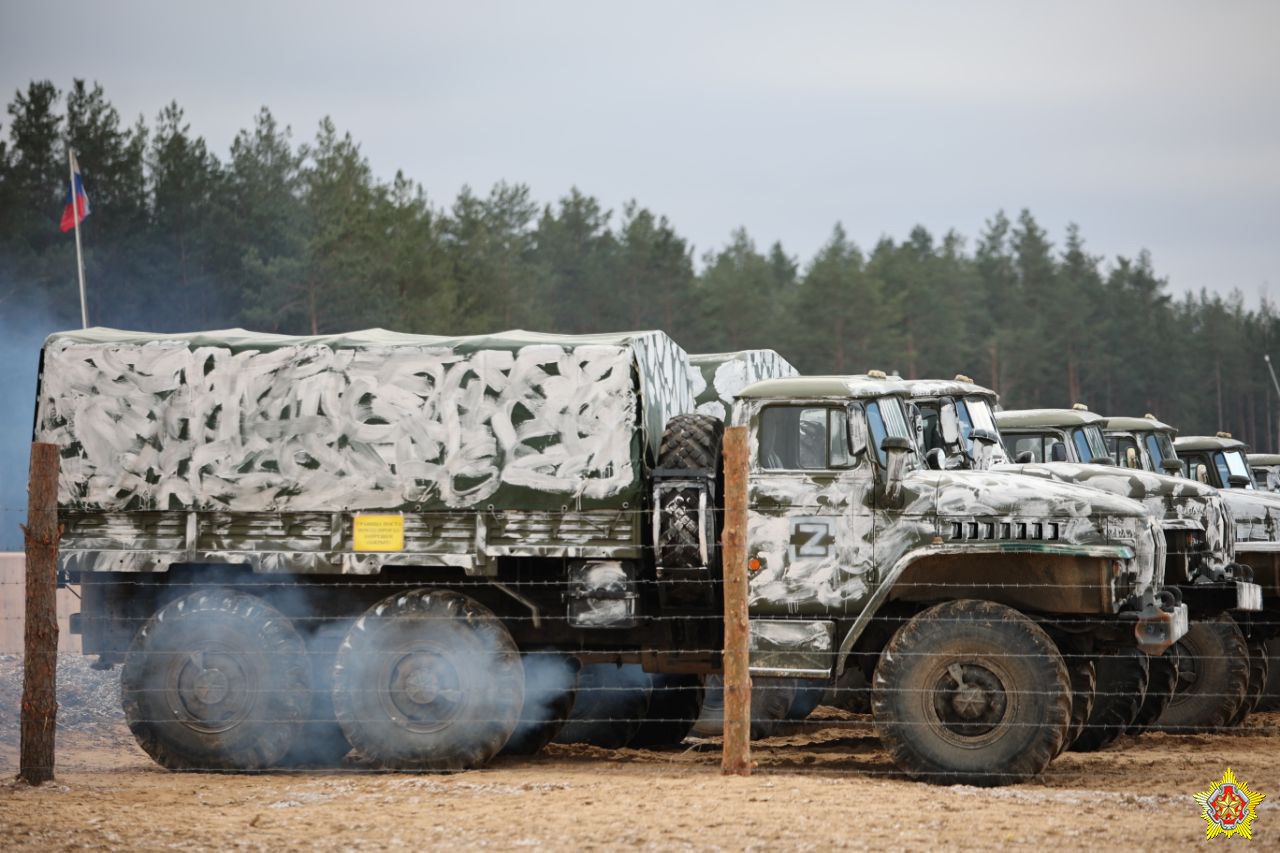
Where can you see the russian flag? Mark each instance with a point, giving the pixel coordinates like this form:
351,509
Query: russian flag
77,201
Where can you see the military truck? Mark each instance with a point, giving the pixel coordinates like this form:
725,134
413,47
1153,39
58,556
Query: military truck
960,429
1219,460
1266,470
451,508
1256,517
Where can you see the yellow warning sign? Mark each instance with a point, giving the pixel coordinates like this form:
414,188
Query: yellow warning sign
378,532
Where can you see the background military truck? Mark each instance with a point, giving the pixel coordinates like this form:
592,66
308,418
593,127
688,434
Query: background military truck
378,532
1219,460
1208,669
1256,523
1265,468
961,429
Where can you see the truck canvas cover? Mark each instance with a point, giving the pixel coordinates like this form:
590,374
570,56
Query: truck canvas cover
245,422
718,377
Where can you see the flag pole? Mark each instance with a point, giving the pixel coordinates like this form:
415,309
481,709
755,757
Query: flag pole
75,218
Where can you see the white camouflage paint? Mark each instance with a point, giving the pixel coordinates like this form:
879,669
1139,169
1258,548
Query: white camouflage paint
716,378
299,424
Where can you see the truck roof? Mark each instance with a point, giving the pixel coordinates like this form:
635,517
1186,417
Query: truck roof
858,386
1142,424
238,340
1207,442
1263,458
1023,418
948,388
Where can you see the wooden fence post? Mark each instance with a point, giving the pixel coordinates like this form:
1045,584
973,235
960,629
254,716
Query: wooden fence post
39,690
736,758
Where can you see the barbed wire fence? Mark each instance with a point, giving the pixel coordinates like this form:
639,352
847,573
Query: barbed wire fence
588,700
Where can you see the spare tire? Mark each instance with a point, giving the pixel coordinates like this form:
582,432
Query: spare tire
690,442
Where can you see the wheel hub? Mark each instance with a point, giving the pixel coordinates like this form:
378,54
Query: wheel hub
211,691
969,699
425,690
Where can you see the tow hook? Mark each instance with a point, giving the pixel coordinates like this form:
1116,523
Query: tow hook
1160,626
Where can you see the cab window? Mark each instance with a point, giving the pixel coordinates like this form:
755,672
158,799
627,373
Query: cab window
1154,450
804,438
1125,451
1028,443
1197,468
1232,462
885,418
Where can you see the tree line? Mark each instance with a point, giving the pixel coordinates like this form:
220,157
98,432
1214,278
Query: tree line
300,236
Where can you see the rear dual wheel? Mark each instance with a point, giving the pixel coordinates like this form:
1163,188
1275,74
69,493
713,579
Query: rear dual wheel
217,680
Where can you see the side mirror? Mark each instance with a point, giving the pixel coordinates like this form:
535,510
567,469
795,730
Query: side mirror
1104,460
1239,481
935,459
986,436
1171,466
1058,452
1026,457
895,449
949,424
857,434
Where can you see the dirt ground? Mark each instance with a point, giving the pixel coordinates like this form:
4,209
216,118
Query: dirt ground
821,784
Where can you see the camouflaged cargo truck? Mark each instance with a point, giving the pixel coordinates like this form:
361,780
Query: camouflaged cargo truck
1202,683
952,591
1214,461
297,542
1218,460
960,429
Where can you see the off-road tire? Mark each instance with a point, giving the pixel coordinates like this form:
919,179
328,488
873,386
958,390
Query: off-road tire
674,706
1161,684
689,442
550,689
771,698
1084,682
1121,688
1270,700
1014,675
216,680
1259,672
612,702
1213,677
808,697
428,680
321,742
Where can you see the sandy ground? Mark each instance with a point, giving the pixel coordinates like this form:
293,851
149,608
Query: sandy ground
820,784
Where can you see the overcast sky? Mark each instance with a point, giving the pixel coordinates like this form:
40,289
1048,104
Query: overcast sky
1152,125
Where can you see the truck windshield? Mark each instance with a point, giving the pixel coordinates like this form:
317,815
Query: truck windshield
1159,448
975,413
885,418
1230,462
1088,442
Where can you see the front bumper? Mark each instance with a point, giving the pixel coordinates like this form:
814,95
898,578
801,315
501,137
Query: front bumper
1158,627
1209,599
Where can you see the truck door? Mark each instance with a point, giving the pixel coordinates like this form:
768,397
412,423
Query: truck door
810,512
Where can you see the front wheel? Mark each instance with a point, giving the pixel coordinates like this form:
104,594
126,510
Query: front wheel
1121,689
971,692
428,680
1213,677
